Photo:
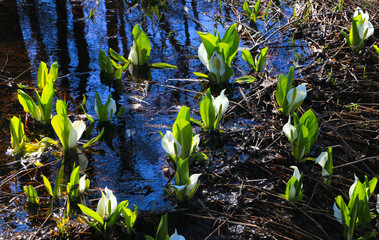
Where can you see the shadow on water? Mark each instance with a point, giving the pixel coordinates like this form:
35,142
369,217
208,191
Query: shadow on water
131,160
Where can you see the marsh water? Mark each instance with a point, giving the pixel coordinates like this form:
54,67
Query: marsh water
129,160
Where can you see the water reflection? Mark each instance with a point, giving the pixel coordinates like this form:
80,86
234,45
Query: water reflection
58,30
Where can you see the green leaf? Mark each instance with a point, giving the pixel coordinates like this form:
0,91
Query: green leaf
246,55
282,88
142,44
202,75
210,42
376,49
46,102
262,59
184,113
93,140
47,185
28,104
245,79
116,56
92,214
162,230
163,66
61,107
309,119
42,75
207,111
61,125
53,73
31,194
247,9
59,182
232,39
182,172
17,134
182,132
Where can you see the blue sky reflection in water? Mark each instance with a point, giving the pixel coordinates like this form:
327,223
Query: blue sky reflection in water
60,31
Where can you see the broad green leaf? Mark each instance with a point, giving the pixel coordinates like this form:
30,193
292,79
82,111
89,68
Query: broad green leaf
31,194
245,79
207,111
163,66
182,172
42,75
202,75
262,59
247,9
61,125
47,185
142,44
232,39
28,104
162,230
182,131
309,119
246,55
61,108
92,214
184,113
53,73
116,56
17,133
210,42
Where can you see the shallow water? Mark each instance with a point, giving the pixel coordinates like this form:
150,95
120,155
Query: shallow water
131,162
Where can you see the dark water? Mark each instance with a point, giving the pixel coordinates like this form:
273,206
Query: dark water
132,163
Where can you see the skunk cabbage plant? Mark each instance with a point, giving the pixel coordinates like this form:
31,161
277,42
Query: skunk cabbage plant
355,214
325,160
258,62
211,110
105,112
303,134
68,132
42,112
45,76
294,187
361,29
108,212
162,232
217,54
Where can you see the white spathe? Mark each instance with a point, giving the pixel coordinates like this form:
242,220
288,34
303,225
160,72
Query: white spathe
203,55
301,94
322,159
168,143
133,55
364,15
82,183
195,143
193,181
111,109
366,30
352,187
296,172
290,130
337,213
216,64
107,204
176,236
292,193
221,100
76,130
